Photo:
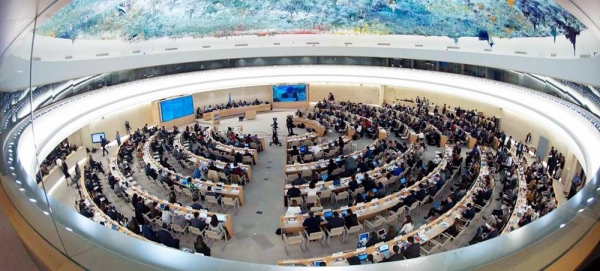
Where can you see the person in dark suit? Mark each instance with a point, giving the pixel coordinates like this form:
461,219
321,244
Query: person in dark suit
312,223
396,257
165,238
335,222
413,250
469,213
445,207
353,184
294,191
148,233
351,219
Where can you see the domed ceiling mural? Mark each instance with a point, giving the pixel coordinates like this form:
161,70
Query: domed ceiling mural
133,20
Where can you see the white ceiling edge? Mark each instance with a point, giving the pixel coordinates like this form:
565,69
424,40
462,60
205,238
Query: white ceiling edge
580,135
14,71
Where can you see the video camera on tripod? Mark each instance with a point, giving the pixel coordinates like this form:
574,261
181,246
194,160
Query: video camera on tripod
275,138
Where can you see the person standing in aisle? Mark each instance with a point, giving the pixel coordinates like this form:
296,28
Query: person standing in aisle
118,138
103,143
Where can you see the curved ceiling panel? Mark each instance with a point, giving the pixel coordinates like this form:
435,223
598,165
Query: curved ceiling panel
149,19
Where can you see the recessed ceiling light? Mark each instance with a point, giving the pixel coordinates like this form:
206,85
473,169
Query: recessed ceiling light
580,210
562,225
590,200
32,200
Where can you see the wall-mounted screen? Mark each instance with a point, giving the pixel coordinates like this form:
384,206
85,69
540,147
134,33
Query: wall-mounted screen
97,137
289,93
176,108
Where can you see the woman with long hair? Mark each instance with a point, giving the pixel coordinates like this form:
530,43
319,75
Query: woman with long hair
407,226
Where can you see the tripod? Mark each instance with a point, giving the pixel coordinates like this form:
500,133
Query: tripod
275,138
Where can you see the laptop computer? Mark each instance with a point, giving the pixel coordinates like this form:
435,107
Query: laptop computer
324,177
385,250
336,182
327,214
302,149
362,257
374,190
344,212
403,180
363,238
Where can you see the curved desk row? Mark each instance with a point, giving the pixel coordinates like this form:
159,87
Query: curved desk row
293,223
219,164
251,110
230,191
376,172
301,139
228,148
312,124
131,187
323,147
422,235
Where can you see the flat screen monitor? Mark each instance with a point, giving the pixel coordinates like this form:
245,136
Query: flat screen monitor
328,214
176,108
289,93
97,137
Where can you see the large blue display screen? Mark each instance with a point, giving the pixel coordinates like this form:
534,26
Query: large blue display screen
289,93
176,108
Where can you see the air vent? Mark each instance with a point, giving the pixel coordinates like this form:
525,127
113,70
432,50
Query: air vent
102,54
312,43
35,58
170,49
585,56
487,50
348,43
553,55
383,44
520,52
453,47
277,43
136,52
241,45
206,46
418,45
68,57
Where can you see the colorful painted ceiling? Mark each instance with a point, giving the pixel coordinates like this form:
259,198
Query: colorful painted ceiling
133,20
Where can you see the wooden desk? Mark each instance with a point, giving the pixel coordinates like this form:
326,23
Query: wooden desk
471,142
412,137
313,124
231,191
292,224
377,173
324,148
443,140
250,114
300,139
382,134
132,188
227,148
196,158
224,113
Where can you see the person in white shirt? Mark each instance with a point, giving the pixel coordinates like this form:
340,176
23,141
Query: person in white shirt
407,226
293,209
437,159
167,215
